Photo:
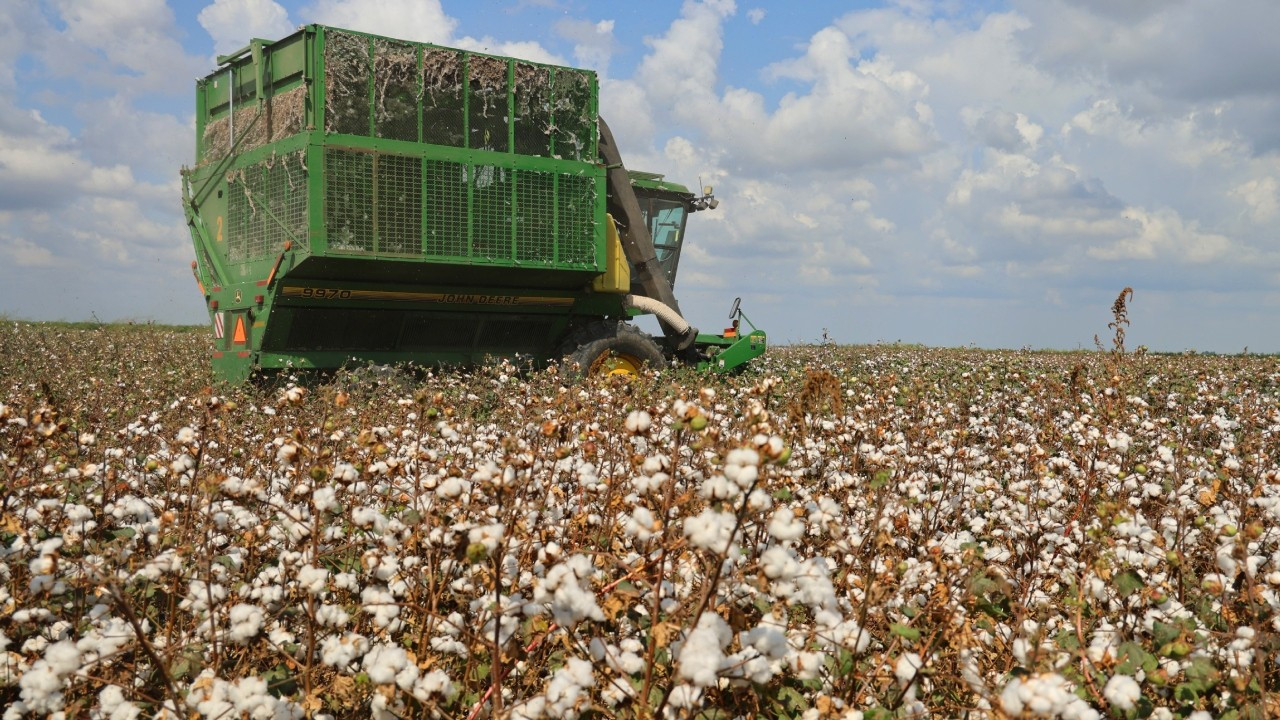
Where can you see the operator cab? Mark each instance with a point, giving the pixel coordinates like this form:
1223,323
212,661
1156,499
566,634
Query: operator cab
666,207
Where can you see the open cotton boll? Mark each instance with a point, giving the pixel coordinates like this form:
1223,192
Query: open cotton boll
710,529
567,592
784,526
389,664
113,706
1122,691
638,421
246,622
567,687
701,654
487,536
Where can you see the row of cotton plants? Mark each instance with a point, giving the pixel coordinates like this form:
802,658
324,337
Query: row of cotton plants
840,533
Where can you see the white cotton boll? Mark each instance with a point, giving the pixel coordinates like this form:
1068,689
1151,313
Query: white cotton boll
567,686
907,667
452,488
41,689
851,635
389,664
767,639
436,682
113,706
638,421
312,580
246,622
325,498
333,616
784,526
186,436
489,536
710,530
566,590
685,696
759,501
379,602
806,665
778,562
701,653
1122,691
340,651
641,524
718,487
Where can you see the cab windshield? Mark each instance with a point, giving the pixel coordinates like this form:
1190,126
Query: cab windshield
665,215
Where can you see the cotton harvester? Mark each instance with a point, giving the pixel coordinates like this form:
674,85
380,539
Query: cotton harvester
358,199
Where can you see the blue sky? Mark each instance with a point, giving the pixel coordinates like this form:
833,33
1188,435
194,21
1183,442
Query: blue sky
942,172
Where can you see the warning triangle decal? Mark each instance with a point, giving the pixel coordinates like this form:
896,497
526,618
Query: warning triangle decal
239,336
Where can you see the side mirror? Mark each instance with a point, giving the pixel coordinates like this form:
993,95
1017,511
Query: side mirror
737,302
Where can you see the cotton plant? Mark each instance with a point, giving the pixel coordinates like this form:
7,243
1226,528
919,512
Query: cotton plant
835,534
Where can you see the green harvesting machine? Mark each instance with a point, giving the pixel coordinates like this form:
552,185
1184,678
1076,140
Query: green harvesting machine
359,199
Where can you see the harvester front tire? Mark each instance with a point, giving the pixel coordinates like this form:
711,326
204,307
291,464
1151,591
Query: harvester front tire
611,348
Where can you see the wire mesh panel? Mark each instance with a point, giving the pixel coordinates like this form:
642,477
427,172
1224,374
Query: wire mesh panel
240,214
398,204
535,216
573,115
532,113
445,186
266,205
488,109
491,213
347,75
442,97
348,200
286,203
576,197
397,90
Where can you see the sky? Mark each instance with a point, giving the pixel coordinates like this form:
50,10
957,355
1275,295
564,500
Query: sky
943,172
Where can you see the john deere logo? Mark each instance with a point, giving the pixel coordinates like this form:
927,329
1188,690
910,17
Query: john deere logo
238,296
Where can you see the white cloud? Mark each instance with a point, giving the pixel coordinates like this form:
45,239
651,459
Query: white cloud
232,23
417,20
138,39
525,50
593,42
1261,196
755,15
1166,236
24,253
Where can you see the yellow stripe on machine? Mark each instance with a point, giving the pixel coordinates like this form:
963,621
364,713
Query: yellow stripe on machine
321,293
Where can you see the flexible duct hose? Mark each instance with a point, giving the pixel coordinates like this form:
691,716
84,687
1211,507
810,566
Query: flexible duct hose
667,315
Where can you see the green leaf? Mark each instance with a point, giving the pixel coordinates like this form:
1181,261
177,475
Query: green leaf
1129,583
792,699
1134,657
1202,673
905,631
880,479
124,533
1164,633
1067,640
877,713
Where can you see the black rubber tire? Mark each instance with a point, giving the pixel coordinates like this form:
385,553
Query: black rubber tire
591,345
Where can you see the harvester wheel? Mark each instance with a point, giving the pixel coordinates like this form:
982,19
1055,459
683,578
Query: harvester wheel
611,348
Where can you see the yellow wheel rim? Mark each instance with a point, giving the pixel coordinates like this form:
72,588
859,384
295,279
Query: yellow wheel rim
615,363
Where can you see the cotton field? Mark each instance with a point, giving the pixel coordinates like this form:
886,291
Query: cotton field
868,532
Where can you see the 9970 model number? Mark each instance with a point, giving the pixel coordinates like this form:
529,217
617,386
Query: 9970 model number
324,293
